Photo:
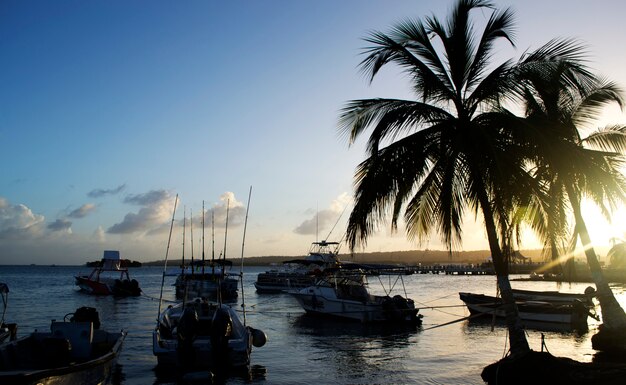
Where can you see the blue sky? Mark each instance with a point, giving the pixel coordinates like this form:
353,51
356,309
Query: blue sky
108,109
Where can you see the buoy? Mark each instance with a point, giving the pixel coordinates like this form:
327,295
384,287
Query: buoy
259,338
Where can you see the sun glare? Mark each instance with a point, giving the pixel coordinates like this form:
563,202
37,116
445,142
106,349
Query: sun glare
603,232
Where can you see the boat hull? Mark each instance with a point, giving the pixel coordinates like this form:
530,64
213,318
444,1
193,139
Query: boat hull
106,287
554,297
97,370
92,287
375,310
574,315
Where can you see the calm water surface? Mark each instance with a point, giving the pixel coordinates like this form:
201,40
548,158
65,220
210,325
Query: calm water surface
301,349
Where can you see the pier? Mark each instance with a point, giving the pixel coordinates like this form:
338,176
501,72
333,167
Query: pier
452,269
475,268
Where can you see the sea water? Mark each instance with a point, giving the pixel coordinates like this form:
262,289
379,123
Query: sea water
446,349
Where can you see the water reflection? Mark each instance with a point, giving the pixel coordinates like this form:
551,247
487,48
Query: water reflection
319,326
117,375
482,324
358,352
171,375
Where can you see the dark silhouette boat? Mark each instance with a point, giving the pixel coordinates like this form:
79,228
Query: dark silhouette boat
7,330
72,352
572,314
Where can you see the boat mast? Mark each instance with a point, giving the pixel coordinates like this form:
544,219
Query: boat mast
225,236
182,265
243,242
191,228
213,243
167,250
203,238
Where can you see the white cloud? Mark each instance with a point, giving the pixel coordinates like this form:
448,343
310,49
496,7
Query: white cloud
151,218
325,219
61,225
99,235
18,221
98,193
82,211
236,211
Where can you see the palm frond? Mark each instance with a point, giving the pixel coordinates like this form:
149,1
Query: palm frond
500,25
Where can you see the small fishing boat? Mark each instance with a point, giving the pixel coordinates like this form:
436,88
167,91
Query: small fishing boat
109,278
300,273
72,352
556,296
201,278
343,292
211,282
8,331
573,314
202,334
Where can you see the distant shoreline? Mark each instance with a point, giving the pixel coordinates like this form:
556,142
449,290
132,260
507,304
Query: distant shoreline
410,257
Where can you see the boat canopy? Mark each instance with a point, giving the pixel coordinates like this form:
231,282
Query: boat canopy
324,243
111,260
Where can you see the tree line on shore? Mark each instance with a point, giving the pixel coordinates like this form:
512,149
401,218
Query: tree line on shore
407,257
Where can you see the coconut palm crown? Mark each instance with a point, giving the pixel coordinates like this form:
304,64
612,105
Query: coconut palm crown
447,151
562,97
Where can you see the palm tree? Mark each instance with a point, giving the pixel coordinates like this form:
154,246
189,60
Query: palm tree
560,97
447,151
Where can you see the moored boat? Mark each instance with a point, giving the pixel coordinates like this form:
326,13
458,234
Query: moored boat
72,352
110,278
344,293
573,314
201,334
211,282
300,273
7,330
555,296
197,280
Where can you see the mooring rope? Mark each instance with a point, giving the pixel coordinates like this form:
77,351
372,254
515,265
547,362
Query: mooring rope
144,295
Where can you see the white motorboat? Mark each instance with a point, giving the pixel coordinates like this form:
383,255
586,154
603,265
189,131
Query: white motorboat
344,293
300,273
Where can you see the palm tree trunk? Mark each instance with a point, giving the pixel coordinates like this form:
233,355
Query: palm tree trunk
517,337
613,316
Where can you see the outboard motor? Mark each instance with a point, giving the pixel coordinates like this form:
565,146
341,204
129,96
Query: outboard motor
87,314
134,287
221,331
186,333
